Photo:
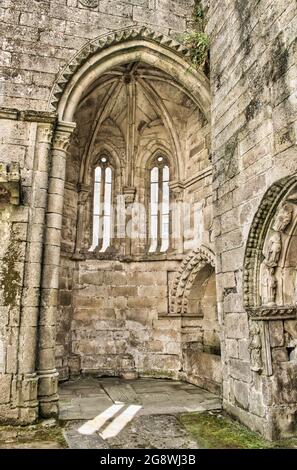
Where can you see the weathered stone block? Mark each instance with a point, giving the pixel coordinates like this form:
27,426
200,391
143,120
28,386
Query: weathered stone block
5,388
241,394
240,370
276,333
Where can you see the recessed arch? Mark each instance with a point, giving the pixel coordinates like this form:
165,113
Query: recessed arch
127,46
185,278
261,229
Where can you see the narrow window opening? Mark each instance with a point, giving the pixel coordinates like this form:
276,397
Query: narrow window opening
102,206
159,206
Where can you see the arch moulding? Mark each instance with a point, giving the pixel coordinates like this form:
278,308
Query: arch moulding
255,257
124,46
185,278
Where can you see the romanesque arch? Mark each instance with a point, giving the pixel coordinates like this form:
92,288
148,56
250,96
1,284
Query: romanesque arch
266,258
185,277
194,300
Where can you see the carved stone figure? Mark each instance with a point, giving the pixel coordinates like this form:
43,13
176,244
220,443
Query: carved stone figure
272,255
273,250
283,218
255,347
269,285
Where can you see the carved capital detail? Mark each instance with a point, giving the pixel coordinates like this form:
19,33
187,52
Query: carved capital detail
45,133
177,190
62,136
274,312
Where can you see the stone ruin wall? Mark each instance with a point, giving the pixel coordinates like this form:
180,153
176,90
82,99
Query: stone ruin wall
253,79
253,134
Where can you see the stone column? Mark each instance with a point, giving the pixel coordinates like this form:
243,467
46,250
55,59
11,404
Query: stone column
26,381
47,373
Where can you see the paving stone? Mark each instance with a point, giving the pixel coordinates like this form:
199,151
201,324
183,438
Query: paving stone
155,425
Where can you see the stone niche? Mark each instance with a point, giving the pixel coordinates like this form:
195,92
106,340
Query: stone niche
195,299
9,183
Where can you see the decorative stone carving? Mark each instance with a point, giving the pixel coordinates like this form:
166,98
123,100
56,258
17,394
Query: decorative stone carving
10,183
273,254
185,277
89,3
102,42
83,194
269,278
46,133
61,141
276,312
255,347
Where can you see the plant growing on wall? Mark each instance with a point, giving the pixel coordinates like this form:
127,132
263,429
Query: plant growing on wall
198,44
197,41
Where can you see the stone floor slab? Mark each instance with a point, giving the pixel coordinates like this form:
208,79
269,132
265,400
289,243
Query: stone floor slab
154,427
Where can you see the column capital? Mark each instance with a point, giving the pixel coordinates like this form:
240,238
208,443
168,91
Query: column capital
45,132
63,134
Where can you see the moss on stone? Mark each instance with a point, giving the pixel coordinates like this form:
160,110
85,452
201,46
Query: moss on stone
32,434
10,278
216,431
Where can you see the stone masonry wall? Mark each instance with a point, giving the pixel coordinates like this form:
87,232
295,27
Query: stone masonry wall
119,323
40,36
253,79
17,146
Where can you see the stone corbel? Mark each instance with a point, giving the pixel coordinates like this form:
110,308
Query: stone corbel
177,190
10,183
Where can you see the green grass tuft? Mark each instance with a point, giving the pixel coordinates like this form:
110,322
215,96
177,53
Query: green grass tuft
212,431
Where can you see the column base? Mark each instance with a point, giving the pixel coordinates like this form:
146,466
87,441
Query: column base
49,409
48,393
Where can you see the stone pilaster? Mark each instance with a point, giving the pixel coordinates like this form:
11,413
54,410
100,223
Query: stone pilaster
47,373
